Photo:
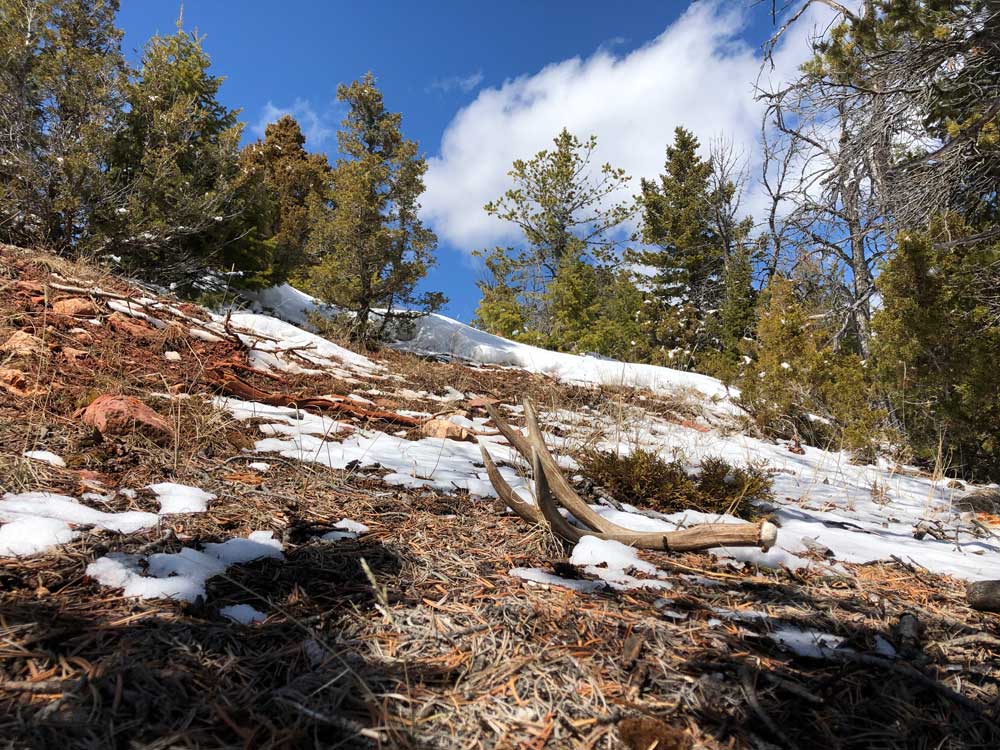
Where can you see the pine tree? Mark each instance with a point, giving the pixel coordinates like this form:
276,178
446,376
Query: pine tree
372,247
687,255
568,217
61,70
176,166
293,180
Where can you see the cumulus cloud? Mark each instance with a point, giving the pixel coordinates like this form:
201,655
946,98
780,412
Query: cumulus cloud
698,73
465,84
318,126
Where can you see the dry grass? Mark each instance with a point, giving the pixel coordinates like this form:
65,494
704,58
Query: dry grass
643,478
415,635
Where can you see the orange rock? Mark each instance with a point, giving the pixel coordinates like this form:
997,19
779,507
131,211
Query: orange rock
23,344
483,401
133,328
77,307
121,415
70,353
33,287
442,428
16,382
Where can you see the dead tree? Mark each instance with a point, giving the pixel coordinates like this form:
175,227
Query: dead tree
552,490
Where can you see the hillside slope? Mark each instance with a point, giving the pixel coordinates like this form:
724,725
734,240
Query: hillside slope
280,551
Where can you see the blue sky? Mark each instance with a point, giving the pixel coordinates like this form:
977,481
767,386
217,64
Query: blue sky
480,84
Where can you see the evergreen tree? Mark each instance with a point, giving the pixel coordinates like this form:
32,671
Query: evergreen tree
372,247
938,346
595,310
686,255
293,180
567,216
798,386
501,309
61,70
176,165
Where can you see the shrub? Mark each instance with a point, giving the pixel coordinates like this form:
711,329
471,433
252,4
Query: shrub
643,478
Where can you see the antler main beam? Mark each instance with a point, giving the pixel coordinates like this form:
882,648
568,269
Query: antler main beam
553,489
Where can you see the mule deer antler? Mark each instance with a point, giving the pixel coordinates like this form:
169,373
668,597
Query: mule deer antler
553,489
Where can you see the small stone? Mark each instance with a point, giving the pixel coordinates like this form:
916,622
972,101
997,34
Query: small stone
16,382
442,428
76,307
23,344
133,328
73,354
121,415
172,356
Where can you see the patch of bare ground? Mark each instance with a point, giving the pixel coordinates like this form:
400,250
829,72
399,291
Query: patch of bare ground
415,635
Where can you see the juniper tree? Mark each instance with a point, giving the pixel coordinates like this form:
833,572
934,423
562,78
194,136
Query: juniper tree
292,179
61,70
371,246
176,165
938,345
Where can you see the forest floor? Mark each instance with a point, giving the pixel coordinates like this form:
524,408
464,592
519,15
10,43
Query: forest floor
404,626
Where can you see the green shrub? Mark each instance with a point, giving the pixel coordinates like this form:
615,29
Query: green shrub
643,478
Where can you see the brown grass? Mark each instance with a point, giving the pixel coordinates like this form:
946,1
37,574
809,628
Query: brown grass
416,635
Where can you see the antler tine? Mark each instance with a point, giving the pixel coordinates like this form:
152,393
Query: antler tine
549,480
506,493
562,489
548,507
514,437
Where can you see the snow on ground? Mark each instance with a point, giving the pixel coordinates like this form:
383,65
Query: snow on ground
46,457
345,528
180,498
440,335
37,521
277,345
242,613
860,513
34,522
180,575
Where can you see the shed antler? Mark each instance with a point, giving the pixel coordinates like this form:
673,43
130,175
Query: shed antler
552,489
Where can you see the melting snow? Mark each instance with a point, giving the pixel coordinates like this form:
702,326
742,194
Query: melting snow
42,520
277,345
345,529
180,498
242,613
180,575
45,457
809,643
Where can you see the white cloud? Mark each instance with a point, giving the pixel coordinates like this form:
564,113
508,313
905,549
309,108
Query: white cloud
464,84
698,73
317,126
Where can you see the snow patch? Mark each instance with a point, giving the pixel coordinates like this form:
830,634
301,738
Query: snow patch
45,457
180,498
242,613
180,575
